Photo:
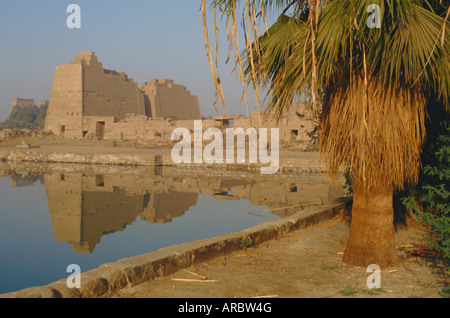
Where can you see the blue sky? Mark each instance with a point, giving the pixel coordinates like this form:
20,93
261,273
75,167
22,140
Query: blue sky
143,38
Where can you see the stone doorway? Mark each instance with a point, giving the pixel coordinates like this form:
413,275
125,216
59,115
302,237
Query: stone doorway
294,135
100,130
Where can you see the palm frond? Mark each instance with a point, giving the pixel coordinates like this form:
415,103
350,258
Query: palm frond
381,143
373,83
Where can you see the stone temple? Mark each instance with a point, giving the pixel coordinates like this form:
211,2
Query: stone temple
88,99
90,102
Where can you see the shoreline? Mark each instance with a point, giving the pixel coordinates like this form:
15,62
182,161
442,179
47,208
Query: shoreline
289,162
108,279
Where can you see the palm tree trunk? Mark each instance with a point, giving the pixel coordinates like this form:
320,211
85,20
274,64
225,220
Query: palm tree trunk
372,235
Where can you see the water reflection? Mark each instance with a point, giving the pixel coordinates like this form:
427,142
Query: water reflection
87,202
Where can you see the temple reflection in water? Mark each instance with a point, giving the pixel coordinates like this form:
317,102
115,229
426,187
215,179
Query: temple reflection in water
86,204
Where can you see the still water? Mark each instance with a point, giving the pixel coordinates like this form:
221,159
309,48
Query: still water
53,215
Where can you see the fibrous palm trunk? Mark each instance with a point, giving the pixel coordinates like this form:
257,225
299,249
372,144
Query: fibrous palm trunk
376,132
372,234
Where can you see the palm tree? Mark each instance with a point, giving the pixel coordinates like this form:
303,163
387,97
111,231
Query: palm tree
370,85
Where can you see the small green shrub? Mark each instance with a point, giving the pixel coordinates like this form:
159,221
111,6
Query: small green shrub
246,242
429,200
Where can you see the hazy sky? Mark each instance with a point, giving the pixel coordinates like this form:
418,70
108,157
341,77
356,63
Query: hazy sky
143,38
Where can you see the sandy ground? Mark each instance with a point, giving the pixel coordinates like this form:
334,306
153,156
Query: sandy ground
303,264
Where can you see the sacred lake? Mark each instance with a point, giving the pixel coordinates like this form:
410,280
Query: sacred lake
54,215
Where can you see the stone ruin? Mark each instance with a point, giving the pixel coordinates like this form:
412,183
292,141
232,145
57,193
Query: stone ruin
90,102
13,134
88,99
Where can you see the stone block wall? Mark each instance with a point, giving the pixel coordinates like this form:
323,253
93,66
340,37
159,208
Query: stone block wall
21,102
90,101
294,124
108,92
168,100
65,111
91,126
85,94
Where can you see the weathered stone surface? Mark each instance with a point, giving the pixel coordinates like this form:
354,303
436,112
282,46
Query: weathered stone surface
33,292
62,291
86,158
115,276
88,101
164,99
286,165
17,134
21,102
93,285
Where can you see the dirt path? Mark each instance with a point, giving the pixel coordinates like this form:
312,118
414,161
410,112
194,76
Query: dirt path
303,264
